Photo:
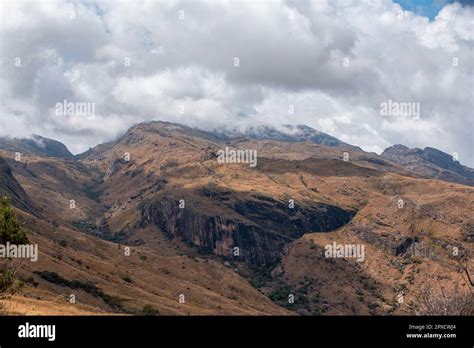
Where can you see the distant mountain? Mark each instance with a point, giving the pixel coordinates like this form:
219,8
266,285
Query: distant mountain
430,162
288,133
36,145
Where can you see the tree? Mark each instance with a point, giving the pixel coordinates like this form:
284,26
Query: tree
459,300
11,231
441,301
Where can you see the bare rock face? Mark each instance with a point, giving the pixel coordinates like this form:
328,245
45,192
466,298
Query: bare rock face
258,226
10,187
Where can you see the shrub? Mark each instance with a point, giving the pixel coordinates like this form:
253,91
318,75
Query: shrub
7,280
88,287
149,310
11,230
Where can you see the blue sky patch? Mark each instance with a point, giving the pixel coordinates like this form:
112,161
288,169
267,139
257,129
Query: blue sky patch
428,8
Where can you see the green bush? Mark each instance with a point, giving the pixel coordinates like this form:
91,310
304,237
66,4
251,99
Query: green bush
11,231
7,280
10,228
149,310
88,287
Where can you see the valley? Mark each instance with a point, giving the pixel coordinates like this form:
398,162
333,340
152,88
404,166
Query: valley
153,224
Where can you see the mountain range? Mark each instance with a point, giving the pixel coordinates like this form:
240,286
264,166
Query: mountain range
152,223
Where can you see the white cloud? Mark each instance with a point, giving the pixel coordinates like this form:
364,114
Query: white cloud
290,53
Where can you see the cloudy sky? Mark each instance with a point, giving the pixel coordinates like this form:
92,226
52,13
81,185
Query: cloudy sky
240,63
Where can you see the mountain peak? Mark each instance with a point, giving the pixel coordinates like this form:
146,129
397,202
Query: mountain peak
36,145
287,133
432,162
